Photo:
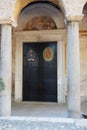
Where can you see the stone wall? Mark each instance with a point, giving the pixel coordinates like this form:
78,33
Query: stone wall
83,66
73,7
12,8
13,64
83,58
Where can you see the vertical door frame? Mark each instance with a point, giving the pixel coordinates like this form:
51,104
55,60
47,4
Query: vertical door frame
40,36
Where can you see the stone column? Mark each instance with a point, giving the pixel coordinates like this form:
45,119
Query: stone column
6,74
73,70
60,72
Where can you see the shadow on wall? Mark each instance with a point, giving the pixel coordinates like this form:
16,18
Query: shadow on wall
13,83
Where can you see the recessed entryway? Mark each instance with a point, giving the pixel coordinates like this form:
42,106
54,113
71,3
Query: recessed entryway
41,37
40,71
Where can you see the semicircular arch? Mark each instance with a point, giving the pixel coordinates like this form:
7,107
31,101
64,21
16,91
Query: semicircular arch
39,9
20,4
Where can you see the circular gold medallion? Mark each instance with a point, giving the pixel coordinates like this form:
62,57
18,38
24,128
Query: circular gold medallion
48,54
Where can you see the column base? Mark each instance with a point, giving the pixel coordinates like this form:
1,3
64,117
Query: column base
73,115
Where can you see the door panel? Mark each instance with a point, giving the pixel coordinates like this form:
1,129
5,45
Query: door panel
39,75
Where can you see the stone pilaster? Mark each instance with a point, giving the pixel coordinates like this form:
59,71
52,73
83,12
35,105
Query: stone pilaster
0,53
6,74
73,70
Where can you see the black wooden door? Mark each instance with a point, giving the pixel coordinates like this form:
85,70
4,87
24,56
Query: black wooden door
40,71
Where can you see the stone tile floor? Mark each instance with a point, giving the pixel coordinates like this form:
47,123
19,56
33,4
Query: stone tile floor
42,116
37,123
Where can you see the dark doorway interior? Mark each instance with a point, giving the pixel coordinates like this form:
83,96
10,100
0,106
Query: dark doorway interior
40,71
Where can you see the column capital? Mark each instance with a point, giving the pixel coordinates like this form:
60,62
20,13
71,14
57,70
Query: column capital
71,18
9,21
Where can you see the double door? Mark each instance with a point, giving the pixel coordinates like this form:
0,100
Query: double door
40,71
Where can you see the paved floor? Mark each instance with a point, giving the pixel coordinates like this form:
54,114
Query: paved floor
42,116
41,123
39,109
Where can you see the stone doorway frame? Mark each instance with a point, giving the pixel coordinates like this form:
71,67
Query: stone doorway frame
40,36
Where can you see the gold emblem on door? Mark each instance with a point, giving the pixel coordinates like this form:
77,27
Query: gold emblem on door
48,54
